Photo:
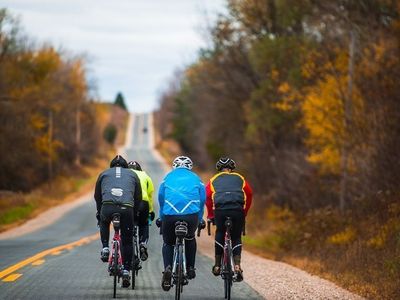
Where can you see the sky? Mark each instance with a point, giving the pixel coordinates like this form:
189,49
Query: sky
132,46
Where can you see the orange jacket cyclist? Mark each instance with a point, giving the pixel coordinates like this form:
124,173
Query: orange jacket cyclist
228,195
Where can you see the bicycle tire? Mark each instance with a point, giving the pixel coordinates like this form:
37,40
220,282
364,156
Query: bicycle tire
228,278
135,258
133,278
115,267
178,286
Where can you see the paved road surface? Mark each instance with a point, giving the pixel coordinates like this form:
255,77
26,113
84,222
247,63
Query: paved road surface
75,271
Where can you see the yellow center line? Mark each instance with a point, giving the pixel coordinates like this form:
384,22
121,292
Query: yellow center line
44,253
12,277
38,262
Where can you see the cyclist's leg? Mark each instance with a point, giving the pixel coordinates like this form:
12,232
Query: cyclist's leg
219,239
105,220
236,236
190,244
168,232
143,222
127,236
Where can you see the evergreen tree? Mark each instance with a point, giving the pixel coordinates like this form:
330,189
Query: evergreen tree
120,101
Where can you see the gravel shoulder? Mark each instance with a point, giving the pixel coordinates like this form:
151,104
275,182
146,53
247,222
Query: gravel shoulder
277,280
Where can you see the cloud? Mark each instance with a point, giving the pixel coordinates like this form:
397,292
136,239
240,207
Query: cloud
134,45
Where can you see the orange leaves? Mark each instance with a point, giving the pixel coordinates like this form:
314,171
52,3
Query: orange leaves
46,147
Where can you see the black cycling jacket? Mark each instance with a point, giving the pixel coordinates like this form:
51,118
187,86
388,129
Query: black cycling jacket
118,186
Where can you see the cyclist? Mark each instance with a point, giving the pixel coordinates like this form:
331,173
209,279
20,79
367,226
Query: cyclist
228,194
117,191
144,211
181,197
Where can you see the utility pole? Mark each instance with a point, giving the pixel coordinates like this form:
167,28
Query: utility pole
347,123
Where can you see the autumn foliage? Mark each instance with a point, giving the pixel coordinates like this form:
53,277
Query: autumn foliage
47,123
305,96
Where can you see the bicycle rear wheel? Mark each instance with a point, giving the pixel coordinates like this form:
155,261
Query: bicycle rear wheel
115,267
135,258
179,272
228,276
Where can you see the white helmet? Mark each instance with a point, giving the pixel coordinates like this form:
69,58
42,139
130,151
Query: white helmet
182,162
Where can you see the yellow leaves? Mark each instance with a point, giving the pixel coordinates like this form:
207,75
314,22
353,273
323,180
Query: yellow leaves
274,75
344,237
47,148
38,121
328,159
378,241
288,97
284,88
323,118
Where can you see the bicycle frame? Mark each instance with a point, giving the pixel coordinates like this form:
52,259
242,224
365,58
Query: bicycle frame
180,243
227,263
115,266
179,273
116,248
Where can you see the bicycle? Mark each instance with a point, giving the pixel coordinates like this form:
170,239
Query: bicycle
136,264
227,264
115,266
179,273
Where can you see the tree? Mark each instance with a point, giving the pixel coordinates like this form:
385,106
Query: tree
120,101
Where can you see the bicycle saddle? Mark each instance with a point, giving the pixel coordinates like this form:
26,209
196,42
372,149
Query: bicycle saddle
181,229
116,220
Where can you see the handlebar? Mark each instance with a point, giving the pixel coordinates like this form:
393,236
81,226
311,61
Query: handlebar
212,221
209,221
200,227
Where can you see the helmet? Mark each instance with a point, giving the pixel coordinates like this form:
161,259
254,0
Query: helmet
134,165
182,162
225,163
118,161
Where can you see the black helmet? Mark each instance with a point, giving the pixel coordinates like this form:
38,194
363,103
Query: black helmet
134,165
118,161
225,163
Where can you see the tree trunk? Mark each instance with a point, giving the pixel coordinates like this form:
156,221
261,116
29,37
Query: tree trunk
347,124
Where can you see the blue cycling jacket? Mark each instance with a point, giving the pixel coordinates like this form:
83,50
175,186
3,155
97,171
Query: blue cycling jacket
181,193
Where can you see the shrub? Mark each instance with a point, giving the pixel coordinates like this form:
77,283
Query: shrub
110,133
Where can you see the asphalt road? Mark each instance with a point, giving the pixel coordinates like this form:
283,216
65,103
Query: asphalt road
45,269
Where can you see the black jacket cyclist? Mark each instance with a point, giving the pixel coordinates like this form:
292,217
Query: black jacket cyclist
117,191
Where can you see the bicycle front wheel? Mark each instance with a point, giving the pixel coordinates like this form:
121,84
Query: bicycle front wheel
228,287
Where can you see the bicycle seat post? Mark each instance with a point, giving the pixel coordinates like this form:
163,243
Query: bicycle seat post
116,221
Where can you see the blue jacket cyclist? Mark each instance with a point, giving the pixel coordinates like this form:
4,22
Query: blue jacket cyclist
181,197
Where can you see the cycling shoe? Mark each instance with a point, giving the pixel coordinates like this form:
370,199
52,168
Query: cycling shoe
104,254
166,279
126,279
